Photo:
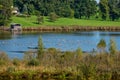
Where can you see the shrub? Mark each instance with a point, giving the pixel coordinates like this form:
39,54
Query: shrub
16,61
105,76
28,55
2,62
53,17
33,62
5,76
52,50
87,72
10,69
68,55
3,58
40,19
79,53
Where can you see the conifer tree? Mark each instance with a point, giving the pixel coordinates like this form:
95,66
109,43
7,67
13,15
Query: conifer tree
112,47
101,45
104,9
40,48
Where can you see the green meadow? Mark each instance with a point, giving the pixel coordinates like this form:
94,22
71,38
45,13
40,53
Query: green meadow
32,22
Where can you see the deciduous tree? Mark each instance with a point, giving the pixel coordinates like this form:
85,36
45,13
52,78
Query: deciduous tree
5,12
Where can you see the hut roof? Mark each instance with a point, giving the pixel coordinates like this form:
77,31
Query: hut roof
15,24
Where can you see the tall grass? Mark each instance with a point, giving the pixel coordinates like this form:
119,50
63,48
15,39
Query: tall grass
56,64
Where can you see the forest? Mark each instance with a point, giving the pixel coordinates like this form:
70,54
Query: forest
71,8
81,9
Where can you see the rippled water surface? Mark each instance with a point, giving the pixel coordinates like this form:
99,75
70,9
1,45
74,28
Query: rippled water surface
16,44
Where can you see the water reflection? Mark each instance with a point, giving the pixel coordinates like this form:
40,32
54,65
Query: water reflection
17,51
98,33
84,33
110,34
5,35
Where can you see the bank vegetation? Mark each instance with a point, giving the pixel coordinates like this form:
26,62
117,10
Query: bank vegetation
55,64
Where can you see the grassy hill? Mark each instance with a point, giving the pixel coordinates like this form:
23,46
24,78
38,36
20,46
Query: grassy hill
31,22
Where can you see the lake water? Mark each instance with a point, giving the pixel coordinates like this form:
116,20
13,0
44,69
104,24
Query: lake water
16,44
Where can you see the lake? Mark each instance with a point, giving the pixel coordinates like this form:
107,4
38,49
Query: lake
16,44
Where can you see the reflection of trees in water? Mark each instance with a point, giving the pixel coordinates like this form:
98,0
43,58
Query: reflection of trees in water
5,35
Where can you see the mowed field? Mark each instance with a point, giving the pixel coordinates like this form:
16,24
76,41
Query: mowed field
32,22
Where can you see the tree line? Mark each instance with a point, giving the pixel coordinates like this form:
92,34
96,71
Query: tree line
72,8
63,8
105,9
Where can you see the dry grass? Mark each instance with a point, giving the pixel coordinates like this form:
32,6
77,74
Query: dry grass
88,66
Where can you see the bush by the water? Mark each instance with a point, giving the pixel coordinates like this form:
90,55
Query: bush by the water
33,62
3,58
16,62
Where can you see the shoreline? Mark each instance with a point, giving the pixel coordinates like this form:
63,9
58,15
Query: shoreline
70,29
66,28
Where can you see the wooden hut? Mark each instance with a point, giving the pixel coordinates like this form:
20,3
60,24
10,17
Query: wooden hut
15,27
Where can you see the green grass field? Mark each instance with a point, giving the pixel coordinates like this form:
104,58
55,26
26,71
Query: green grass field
31,22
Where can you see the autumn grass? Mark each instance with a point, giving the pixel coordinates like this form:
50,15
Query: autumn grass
31,22
54,64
